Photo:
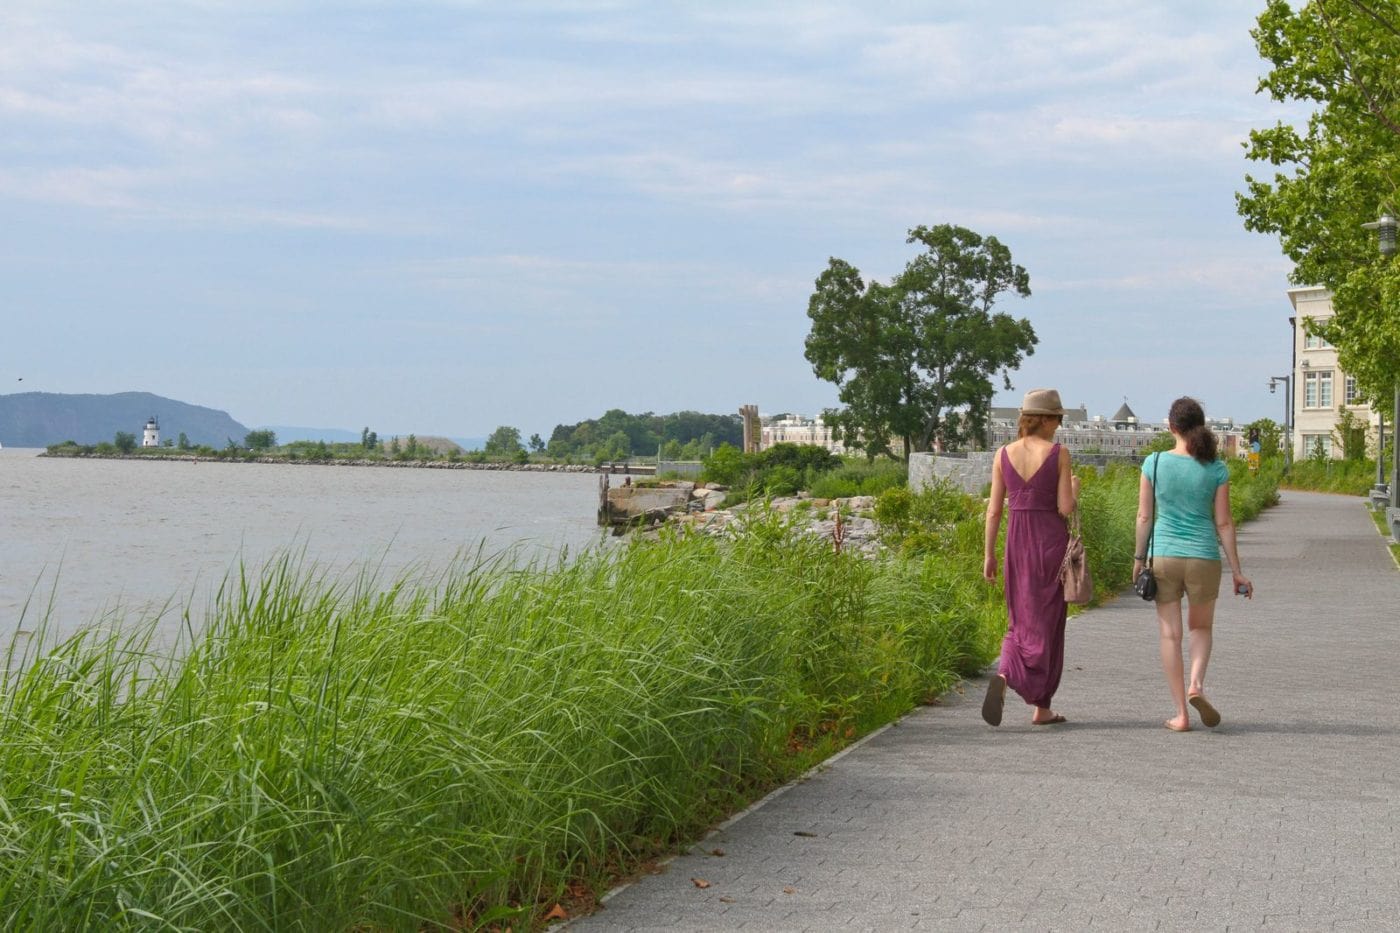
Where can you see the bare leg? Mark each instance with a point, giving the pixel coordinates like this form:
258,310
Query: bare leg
1201,620
1169,627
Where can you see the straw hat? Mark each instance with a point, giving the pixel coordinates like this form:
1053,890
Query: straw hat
1042,402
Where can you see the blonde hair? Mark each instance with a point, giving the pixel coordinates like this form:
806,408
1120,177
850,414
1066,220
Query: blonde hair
1031,424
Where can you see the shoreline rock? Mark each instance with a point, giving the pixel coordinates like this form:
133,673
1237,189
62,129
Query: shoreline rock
860,532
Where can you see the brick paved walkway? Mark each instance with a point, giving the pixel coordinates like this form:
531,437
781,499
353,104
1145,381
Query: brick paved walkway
1283,818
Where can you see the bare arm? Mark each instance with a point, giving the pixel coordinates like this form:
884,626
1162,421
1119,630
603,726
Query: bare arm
1067,490
1146,512
995,503
1225,527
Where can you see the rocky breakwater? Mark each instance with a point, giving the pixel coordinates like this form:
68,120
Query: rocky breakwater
849,522
650,503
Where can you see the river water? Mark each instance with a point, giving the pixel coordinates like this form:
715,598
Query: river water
107,540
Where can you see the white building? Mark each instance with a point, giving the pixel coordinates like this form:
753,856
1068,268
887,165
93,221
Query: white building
1320,391
151,436
796,429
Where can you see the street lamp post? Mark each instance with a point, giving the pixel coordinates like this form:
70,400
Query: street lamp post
1385,227
1287,413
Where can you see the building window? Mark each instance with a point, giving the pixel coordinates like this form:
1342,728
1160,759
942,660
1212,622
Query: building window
1317,389
1317,445
1314,342
1350,392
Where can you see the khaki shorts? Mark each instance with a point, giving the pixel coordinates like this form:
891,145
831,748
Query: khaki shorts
1196,577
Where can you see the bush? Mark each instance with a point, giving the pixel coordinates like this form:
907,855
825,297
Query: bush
780,470
860,478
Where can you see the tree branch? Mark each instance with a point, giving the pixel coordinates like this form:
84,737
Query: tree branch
1380,20
1354,77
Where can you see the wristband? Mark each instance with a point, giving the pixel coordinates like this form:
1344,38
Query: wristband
1139,557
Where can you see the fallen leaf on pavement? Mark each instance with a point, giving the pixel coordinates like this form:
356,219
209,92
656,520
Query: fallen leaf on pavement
557,912
719,852
700,882
789,890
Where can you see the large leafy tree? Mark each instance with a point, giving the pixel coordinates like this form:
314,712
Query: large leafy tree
1336,172
915,359
503,442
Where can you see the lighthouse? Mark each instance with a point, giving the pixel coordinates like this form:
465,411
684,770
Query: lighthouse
151,436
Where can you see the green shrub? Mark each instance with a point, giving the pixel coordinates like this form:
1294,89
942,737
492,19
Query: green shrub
860,478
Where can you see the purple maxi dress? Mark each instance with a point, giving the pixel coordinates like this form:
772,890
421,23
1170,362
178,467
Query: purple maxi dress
1033,653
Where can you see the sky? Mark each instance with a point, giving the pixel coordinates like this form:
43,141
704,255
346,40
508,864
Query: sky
442,217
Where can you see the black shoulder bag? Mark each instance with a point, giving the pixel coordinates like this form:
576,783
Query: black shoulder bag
1145,584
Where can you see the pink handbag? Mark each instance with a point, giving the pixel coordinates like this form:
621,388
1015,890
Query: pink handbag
1074,570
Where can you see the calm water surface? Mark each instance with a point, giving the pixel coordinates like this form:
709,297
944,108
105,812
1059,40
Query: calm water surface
106,539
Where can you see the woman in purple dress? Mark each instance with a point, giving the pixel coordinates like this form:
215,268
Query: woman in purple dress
1033,472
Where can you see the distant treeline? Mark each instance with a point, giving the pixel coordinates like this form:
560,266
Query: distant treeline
684,435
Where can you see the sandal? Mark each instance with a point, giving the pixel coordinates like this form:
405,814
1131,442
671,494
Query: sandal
994,700
1210,718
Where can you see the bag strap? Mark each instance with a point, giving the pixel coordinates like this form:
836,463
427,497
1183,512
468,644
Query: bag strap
1152,528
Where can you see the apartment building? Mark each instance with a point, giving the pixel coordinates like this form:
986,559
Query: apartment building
1320,390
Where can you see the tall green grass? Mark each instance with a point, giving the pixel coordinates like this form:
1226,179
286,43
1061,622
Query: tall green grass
350,755
1350,477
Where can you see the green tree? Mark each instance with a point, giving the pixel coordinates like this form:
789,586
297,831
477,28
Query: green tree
124,441
503,442
184,442
369,440
536,443
914,359
1337,172
559,448
727,465
260,440
617,447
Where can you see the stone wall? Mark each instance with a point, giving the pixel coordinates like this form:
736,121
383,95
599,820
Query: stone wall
969,472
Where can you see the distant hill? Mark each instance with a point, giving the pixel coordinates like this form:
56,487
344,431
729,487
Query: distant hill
38,419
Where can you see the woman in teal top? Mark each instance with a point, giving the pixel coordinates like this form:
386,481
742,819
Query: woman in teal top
1184,502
